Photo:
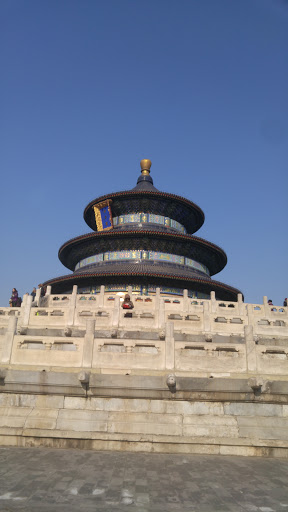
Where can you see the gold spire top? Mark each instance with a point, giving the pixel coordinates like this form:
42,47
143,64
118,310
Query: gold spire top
145,166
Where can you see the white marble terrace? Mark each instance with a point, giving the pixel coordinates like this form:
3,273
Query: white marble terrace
179,334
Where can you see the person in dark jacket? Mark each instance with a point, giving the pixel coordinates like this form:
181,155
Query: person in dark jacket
43,290
285,303
127,303
15,300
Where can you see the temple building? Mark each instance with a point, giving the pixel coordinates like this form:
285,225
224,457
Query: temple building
143,238
181,372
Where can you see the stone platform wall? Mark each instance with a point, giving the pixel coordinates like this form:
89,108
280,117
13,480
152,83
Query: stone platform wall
180,375
141,424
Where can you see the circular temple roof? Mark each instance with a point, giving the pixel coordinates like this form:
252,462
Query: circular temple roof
189,246
148,199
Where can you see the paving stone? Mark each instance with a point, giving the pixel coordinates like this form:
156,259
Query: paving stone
46,480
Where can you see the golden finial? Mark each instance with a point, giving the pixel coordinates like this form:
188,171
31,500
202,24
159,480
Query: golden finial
145,166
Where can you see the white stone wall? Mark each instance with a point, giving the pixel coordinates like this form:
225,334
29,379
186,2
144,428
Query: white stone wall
75,371
141,424
180,334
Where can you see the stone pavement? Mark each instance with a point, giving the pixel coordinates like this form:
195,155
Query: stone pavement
44,480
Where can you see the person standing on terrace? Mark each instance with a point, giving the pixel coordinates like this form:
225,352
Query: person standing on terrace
127,303
15,301
43,290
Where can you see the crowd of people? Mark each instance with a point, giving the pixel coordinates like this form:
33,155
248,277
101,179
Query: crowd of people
15,300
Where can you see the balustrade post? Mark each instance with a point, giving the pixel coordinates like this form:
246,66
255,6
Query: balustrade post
240,304
267,308
169,346
37,296
157,308
101,296
72,306
48,296
8,339
250,315
206,317
88,343
116,312
251,356
213,302
161,317
185,301
25,312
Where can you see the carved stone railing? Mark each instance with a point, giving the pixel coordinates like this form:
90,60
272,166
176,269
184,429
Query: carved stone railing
184,334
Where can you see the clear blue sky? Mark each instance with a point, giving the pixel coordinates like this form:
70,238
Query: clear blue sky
89,88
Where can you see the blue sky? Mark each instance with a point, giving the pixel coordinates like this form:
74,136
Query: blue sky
89,88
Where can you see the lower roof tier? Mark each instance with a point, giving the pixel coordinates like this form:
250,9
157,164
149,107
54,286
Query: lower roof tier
143,275
91,244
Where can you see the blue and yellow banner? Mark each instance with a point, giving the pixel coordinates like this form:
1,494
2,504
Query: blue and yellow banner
103,215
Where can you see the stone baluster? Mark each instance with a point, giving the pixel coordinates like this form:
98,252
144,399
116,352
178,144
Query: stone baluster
206,317
48,296
25,313
240,304
37,296
8,339
161,316
72,306
101,296
88,343
185,302
116,312
169,346
213,302
251,356
157,308
130,291
267,309
250,315
157,297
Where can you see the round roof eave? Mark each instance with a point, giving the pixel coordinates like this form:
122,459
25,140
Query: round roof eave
188,207
207,285
70,252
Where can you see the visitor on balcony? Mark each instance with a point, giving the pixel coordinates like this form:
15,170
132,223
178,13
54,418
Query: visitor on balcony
15,300
127,304
43,290
270,303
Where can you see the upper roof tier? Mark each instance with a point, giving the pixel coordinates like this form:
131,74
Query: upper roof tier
148,199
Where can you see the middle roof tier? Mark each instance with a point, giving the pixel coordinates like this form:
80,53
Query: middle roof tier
77,249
